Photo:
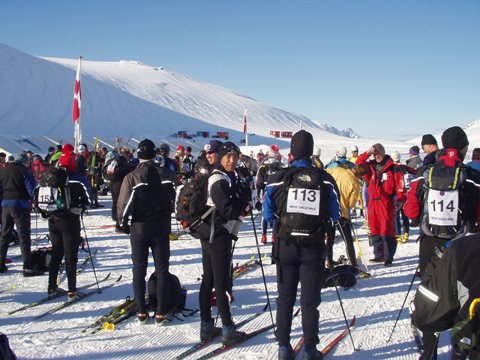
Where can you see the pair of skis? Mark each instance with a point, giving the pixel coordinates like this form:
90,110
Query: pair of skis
200,345
56,296
261,330
75,300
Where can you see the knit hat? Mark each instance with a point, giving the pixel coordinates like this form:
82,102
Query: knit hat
81,148
146,150
341,151
228,148
455,138
395,156
213,146
21,158
414,150
180,147
354,148
275,148
428,139
164,149
317,151
301,145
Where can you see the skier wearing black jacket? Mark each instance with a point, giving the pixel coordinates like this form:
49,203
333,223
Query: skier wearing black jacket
230,199
17,184
64,225
147,196
448,288
121,170
455,146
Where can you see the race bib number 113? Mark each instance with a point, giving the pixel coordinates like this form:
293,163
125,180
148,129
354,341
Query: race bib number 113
303,201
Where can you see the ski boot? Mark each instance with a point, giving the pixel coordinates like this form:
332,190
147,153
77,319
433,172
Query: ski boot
208,331
231,336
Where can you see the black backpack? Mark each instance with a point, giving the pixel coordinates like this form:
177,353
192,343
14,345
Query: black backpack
300,216
53,193
192,204
344,276
442,204
41,258
178,295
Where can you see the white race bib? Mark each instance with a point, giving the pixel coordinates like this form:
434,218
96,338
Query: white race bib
303,201
47,198
443,207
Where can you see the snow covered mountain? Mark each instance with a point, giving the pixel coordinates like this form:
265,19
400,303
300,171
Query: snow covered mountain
127,98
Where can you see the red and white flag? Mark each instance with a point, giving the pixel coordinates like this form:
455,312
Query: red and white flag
245,121
77,104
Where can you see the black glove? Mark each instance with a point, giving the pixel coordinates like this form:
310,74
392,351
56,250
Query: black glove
125,229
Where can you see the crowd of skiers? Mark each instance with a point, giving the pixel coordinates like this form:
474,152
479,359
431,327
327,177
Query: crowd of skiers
304,201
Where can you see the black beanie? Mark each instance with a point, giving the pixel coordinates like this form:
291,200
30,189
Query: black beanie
301,145
454,138
228,148
146,150
428,139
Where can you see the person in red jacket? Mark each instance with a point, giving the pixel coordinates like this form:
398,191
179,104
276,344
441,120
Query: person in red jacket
384,184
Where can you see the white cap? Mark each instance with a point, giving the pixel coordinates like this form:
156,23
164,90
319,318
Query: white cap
342,151
395,156
354,148
317,151
81,148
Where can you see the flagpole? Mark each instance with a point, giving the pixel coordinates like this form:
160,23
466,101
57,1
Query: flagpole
77,104
245,131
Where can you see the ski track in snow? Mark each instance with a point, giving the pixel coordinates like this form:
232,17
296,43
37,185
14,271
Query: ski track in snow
375,302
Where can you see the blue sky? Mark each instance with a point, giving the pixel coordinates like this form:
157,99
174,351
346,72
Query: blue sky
391,69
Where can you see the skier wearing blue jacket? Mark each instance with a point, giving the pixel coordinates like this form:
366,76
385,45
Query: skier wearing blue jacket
302,198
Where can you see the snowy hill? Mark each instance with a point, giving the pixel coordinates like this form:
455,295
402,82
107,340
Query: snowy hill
126,98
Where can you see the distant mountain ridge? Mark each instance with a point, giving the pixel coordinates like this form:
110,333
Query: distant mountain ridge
129,98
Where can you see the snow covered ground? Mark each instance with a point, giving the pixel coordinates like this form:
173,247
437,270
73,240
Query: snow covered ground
374,301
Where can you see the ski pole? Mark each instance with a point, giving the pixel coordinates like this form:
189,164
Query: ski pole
404,301
261,267
343,310
360,251
90,253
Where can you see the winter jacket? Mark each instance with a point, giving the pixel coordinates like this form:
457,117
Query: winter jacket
474,164
229,197
383,187
430,158
340,162
469,202
268,168
415,162
147,194
329,201
349,186
448,286
17,184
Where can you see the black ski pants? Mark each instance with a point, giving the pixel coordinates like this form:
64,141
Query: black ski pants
298,264
65,238
143,237
115,189
21,218
216,263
